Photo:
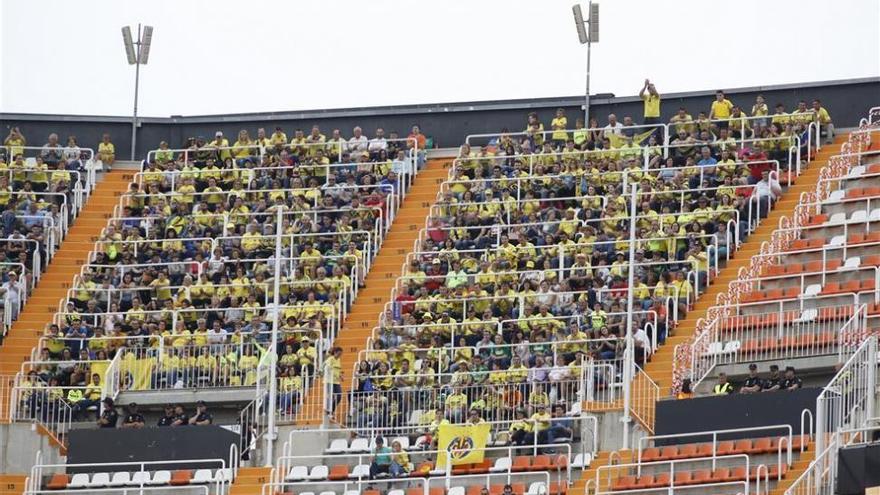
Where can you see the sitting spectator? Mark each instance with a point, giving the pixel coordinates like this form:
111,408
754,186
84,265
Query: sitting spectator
753,382
773,381
109,416
169,417
107,151
382,455
202,416
791,380
723,387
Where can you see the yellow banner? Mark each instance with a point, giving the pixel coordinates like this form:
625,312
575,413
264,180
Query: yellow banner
137,373
618,141
464,443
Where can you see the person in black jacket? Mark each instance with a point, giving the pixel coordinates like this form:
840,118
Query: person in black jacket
169,417
109,416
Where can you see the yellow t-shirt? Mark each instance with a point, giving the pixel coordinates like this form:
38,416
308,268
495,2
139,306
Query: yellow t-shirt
559,124
652,105
721,109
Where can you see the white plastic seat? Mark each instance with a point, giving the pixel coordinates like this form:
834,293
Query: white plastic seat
223,475
327,493
359,445
120,478
351,492
418,364
298,473
576,409
162,477
337,446
856,171
404,442
732,346
306,493
835,196
875,215
715,348
201,476
455,490
812,290
401,492
319,472
859,216
502,464
415,417
838,240
79,480
807,315
360,471
839,217
140,477
852,262
99,480
421,441
537,488
582,460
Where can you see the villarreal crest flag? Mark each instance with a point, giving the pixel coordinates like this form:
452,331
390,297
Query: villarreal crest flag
464,444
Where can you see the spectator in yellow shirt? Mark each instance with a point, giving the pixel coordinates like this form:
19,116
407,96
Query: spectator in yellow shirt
651,98
720,109
106,151
559,124
824,119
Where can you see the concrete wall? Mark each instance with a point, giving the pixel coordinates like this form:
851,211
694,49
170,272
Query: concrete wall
448,124
19,444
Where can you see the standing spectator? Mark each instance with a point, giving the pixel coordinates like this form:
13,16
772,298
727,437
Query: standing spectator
723,387
791,380
651,98
13,291
559,124
333,376
133,419
753,382
416,138
109,416
202,416
759,109
767,191
824,119
720,109
15,143
107,151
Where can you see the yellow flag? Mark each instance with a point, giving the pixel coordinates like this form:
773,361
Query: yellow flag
137,373
619,141
465,443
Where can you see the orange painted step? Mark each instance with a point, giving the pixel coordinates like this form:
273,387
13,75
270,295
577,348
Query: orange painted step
364,314
54,283
661,365
250,480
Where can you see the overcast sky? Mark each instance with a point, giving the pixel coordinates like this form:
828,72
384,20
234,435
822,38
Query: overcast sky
222,56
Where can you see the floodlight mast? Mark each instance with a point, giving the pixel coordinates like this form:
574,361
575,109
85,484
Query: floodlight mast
137,57
585,38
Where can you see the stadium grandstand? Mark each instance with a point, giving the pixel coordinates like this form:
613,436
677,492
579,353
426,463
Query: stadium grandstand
663,293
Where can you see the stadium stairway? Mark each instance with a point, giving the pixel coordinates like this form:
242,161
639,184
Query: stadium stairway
249,480
58,277
659,369
12,484
386,267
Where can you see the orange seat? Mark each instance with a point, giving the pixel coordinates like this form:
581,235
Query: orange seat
370,492
867,285
720,475
558,488
540,463
773,294
669,452
687,451
437,490
794,268
855,192
338,472
645,481
58,481
737,474
481,467
798,245
798,441
832,265
761,446
831,288
521,463
872,260
777,471
742,446
818,219
826,338
422,469
624,483
471,490
660,480
790,293
704,450
180,477
561,462
650,454
872,237
724,447
855,239
871,192
682,478
701,476
774,270
416,491
462,468
518,488
850,286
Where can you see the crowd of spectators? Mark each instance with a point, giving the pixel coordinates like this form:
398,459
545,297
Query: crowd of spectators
185,277
523,269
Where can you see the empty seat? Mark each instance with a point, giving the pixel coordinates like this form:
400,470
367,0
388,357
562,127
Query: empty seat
121,478
541,463
835,196
687,451
334,493
140,478
721,475
838,240
669,452
701,476
537,488
58,482
201,476
521,463
298,473
724,447
761,446
161,477
79,480
359,445
481,467
581,460
360,471
502,464
223,475
737,474
181,477
623,483
99,480
319,472
338,472
401,492
859,216
836,218
337,446
660,480
742,446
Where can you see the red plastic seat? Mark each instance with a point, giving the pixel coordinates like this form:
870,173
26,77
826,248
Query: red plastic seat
687,451
660,480
737,474
521,463
682,478
742,446
669,452
720,475
650,454
701,476
761,446
558,488
540,463
338,472
724,447
645,481
481,467
623,483
58,481
180,477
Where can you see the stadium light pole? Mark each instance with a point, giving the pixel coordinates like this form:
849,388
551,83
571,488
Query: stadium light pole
629,352
137,57
588,33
